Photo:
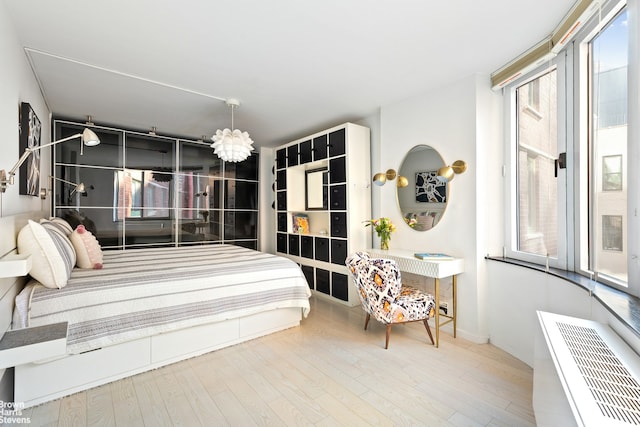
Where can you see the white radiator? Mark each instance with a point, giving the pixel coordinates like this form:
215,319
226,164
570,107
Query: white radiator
584,374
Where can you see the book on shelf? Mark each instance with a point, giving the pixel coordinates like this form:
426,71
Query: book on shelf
300,223
433,256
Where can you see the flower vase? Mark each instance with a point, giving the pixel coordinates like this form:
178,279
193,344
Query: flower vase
384,242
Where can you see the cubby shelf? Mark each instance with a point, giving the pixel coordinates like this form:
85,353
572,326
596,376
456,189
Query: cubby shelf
335,225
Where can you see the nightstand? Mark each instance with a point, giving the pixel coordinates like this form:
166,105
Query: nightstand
21,346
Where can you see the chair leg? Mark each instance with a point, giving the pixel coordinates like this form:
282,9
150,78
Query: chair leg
386,344
426,325
366,321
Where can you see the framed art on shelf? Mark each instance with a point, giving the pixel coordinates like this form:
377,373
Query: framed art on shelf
30,128
300,223
429,189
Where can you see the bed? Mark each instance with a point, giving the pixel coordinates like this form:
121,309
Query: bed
146,308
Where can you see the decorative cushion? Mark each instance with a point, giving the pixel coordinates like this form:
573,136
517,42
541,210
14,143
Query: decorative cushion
413,304
62,223
49,266
58,233
87,248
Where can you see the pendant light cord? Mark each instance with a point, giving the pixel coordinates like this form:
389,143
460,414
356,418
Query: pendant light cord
233,107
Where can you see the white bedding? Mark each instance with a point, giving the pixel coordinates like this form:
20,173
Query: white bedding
143,292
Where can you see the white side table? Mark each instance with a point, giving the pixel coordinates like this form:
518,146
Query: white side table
436,269
28,345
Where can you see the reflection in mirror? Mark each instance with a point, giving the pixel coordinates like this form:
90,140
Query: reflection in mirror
140,194
316,189
423,201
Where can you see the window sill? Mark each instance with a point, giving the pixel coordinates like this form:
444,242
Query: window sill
623,306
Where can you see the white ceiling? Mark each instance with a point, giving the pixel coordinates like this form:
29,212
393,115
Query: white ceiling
296,66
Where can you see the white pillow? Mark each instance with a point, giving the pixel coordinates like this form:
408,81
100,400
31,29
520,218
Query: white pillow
88,250
59,235
64,224
48,265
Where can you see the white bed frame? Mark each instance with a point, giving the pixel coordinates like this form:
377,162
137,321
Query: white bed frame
37,383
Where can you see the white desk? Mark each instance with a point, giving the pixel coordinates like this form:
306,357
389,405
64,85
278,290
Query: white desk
436,269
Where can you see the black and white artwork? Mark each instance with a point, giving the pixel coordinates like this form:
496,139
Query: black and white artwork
30,127
429,189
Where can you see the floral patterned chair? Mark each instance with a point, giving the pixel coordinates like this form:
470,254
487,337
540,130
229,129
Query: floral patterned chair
383,296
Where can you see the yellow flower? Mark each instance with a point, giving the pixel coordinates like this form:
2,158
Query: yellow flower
383,226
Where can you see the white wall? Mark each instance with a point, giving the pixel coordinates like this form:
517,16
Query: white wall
489,184
267,197
519,292
17,85
453,120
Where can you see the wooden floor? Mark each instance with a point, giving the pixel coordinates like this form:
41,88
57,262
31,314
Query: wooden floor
327,372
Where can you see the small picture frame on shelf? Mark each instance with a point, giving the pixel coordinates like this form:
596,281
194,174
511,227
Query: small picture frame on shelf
300,223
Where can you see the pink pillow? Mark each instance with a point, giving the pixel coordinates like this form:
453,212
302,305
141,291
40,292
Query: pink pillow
88,250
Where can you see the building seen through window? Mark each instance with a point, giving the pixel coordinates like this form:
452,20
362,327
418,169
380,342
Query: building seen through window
608,65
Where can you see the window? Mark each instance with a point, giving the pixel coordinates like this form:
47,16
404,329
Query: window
612,233
533,98
605,60
612,173
572,184
536,189
537,142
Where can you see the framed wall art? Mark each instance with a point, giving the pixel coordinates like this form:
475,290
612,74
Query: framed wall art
429,189
30,128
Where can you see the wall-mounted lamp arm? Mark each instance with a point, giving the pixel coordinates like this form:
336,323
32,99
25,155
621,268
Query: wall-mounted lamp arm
77,188
13,170
89,138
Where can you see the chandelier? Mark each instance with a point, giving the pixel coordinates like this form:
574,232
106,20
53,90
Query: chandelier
232,145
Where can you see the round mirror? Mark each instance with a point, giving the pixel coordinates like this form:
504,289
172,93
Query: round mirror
423,200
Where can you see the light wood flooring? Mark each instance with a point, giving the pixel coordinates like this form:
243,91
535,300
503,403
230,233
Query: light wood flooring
327,372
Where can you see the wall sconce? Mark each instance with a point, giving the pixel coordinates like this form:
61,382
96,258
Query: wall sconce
87,137
77,188
447,173
380,179
205,193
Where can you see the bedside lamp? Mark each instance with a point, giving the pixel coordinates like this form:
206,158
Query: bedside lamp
87,137
77,188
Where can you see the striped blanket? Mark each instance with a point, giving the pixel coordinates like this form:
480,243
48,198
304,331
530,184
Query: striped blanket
143,292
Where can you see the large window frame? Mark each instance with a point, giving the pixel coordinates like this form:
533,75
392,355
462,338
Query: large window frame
511,247
587,225
573,59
